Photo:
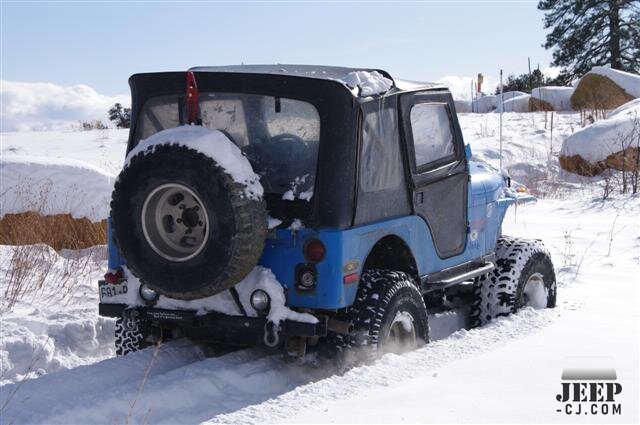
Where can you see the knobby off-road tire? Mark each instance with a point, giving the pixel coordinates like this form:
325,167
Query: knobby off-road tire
385,304
130,338
225,251
523,276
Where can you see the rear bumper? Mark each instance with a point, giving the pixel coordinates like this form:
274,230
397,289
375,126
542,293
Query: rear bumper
218,327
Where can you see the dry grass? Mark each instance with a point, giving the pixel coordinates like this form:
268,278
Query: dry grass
29,270
596,93
60,231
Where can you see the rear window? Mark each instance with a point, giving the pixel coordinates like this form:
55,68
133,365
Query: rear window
280,136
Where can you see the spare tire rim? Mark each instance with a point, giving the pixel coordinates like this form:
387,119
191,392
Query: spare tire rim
402,334
535,292
175,222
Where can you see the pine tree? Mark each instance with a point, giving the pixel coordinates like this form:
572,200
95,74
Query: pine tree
586,33
120,116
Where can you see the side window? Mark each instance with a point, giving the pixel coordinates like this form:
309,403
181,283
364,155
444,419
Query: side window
380,167
431,130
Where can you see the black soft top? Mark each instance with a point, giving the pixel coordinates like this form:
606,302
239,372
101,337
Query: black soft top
321,72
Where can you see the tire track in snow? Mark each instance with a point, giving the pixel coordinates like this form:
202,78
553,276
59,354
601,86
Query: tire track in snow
244,386
392,369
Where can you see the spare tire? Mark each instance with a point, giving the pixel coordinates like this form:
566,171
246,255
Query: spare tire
182,223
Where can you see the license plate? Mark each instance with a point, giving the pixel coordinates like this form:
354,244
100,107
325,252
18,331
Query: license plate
110,290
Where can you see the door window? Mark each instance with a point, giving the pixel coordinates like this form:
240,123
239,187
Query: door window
432,135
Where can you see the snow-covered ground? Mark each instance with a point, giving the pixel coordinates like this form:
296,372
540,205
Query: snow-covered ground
508,371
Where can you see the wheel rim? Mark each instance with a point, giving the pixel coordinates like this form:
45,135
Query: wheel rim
402,334
535,292
174,222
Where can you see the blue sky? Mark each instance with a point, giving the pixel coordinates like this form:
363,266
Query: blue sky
101,44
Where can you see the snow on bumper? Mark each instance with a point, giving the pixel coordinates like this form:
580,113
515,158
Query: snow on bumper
218,317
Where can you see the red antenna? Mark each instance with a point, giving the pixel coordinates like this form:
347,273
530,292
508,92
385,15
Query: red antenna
192,99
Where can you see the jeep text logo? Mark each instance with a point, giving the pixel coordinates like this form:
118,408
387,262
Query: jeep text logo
589,398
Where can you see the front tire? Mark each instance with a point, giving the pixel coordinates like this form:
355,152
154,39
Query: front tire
389,316
524,276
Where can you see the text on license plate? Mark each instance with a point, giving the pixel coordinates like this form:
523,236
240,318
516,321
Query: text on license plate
109,290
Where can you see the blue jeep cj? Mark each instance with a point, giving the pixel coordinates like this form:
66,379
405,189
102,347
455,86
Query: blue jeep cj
374,206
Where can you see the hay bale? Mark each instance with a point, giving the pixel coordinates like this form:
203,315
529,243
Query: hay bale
626,160
539,105
578,165
60,231
598,92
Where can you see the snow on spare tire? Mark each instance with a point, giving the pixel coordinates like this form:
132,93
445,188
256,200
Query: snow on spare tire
188,214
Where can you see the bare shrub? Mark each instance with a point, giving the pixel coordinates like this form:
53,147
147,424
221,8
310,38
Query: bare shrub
30,269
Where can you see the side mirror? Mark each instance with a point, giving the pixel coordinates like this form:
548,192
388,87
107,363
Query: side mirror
467,151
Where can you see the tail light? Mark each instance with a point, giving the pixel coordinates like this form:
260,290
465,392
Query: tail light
314,250
113,276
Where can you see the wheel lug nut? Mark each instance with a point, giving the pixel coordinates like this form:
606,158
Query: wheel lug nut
196,208
179,220
200,223
181,206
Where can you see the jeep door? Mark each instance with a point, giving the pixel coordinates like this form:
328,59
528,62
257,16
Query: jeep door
438,167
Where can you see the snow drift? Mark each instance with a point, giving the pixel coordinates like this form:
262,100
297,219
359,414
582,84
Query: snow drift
51,186
610,143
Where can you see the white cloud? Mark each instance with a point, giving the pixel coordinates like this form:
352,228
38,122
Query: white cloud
45,106
460,86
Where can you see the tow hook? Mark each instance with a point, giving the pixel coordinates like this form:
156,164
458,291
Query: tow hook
130,319
271,338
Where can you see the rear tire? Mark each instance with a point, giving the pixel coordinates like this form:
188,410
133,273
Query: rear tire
130,337
389,315
524,276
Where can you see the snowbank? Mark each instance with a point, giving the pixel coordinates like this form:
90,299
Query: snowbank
52,186
559,98
366,83
54,324
628,81
602,140
632,105
212,143
517,103
259,278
